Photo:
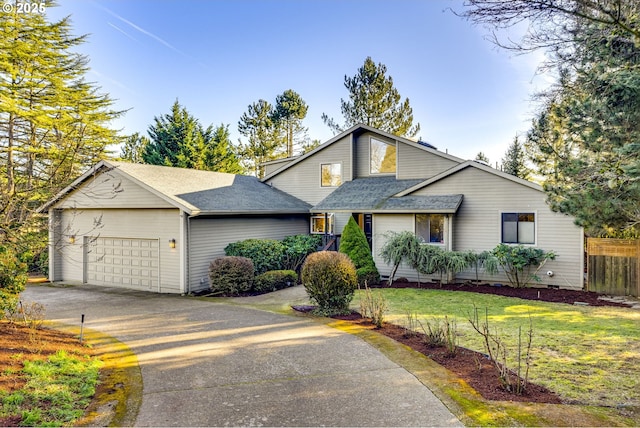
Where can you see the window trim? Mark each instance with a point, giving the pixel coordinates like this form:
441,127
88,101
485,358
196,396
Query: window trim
394,145
330,218
518,212
340,173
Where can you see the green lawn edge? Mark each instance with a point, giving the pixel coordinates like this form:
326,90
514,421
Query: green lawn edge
119,392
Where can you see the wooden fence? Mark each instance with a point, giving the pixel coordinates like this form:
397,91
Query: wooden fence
613,266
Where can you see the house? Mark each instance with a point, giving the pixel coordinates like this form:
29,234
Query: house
157,228
389,183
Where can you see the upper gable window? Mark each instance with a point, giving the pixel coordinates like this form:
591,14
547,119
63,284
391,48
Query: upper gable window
383,157
330,175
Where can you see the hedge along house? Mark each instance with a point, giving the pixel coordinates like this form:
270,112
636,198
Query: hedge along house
157,228
393,184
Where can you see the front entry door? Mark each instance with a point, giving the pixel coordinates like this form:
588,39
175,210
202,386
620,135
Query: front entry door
365,221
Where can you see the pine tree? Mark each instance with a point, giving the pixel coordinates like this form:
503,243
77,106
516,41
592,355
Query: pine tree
482,158
288,113
133,148
53,123
374,101
256,124
515,160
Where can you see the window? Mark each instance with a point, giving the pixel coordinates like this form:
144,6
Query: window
383,157
330,174
318,223
518,228
430,227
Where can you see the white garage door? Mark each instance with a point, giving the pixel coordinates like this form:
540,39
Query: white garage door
122,262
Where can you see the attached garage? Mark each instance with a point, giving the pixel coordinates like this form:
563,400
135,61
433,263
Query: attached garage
122,262
155,228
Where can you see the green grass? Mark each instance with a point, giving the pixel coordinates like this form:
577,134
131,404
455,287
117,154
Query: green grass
57,391
588,355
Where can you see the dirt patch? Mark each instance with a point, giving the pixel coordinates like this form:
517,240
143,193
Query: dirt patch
19,344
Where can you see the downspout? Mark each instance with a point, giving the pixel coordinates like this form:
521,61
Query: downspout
186,246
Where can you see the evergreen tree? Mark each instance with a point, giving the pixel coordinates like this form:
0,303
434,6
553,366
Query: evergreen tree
308,146
482,158
133,148
178,139
220,154
288,113
354,244
262,137
374,101
53,123
584,141
515,160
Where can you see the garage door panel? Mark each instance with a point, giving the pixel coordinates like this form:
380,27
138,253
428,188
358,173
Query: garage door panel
123,262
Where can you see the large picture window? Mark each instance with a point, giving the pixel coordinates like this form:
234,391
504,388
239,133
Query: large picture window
383,157
320,221
330,174
430,227
518,228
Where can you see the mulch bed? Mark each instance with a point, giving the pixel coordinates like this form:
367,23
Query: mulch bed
554,295
471,366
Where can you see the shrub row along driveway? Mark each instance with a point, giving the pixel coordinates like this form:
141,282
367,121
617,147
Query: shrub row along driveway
214,364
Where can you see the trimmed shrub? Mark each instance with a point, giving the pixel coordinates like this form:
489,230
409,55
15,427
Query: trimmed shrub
297,248
521,264
354,244
330,280
13,278
266,254
231,275
274,280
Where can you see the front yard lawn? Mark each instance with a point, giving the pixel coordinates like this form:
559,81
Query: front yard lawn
588,355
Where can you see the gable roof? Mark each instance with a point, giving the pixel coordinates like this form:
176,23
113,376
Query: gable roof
465,165
377,194
358,129
198,192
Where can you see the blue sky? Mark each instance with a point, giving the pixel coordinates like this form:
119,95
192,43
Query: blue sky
218,56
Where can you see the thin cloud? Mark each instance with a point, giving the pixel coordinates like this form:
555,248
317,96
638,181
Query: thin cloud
122,31
143,31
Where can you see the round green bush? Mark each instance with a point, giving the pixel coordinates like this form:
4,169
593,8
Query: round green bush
231,275
330,280
266,254
274,280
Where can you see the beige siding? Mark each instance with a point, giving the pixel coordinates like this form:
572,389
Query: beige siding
303,179
361,152
477,224
414,162
209,237
160,224
276,165
382,224
112,190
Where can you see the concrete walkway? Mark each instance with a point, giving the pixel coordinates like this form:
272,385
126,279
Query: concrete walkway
218,364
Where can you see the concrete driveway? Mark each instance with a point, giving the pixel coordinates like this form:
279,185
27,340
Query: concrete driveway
217,364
